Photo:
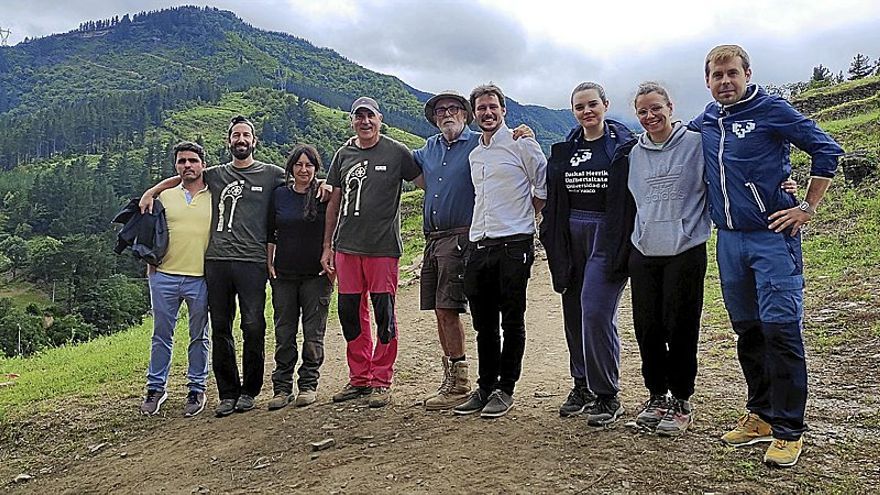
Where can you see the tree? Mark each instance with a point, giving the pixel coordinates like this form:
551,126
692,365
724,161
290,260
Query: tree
69,329
860,67
114,304
43,252
820,73
821,77
15,323
15,249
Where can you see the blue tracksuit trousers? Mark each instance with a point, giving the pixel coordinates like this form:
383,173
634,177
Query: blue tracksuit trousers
589,307
762,283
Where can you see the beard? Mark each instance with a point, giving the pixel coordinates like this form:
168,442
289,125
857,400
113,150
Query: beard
452,131
241,153
489,126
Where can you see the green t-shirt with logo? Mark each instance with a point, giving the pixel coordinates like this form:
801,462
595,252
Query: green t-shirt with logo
371,181
240,199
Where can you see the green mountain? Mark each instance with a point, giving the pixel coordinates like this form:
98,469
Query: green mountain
156,61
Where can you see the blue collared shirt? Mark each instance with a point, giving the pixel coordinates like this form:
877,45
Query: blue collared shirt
449,191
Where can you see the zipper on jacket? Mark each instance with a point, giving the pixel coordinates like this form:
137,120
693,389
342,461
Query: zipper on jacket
751,185
723,175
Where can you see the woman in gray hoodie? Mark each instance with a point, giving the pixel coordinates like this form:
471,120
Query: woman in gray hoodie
667,257
667,264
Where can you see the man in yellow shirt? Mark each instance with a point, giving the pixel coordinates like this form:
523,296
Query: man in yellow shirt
181,277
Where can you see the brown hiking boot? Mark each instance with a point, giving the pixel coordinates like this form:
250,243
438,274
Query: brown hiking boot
447,380
456,392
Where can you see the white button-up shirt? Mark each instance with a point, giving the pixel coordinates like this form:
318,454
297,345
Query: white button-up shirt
506,174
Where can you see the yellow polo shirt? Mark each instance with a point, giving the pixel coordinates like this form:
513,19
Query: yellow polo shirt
189,229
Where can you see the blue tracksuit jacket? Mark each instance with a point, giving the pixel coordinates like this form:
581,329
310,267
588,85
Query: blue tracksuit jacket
746,148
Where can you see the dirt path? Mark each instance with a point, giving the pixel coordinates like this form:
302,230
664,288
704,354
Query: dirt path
403,449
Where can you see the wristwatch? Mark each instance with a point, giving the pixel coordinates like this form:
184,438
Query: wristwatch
806,208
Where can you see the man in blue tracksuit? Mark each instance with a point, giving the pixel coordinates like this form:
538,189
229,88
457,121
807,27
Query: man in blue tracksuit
746,140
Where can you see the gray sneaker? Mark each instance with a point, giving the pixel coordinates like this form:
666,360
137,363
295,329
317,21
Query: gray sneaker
244,403
677,419
474,404
306,397
153,401
653,411
281,399
499,403
195,403
224,408
603,412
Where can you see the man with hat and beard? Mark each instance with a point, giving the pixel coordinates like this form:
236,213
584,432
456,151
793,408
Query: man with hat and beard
448,209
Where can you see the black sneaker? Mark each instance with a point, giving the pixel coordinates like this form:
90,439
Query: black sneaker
224,408
578,400
244,403
653,411
474,404
604,411
153,401
499,403
195,403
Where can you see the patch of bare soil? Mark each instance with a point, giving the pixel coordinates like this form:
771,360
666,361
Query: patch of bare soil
403,449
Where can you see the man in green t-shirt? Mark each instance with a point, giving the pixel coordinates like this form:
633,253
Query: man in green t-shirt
235,263
362,246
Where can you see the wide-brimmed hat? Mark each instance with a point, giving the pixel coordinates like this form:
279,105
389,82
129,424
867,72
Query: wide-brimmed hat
429,105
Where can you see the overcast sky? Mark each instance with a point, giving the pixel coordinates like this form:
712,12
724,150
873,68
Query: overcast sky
537,50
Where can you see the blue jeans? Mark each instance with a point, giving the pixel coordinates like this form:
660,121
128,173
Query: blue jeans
762,283
166,293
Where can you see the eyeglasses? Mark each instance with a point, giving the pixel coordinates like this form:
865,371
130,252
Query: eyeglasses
453,110
655,109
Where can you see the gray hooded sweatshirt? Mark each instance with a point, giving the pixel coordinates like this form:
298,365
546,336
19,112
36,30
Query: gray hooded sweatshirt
667,183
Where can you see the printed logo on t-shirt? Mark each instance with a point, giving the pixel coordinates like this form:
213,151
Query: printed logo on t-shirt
354,181
256,189
580,156
381,168
586,181
742,127
232,193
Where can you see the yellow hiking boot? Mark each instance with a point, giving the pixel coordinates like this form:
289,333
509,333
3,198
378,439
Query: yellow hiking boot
750,429
784,453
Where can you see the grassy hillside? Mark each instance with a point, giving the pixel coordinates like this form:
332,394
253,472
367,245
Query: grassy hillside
850,111
178,46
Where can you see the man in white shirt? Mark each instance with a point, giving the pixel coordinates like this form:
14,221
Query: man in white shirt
509,183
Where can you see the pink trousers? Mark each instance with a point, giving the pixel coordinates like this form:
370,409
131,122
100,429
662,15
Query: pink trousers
366,281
